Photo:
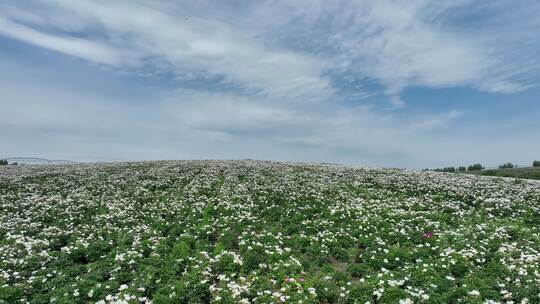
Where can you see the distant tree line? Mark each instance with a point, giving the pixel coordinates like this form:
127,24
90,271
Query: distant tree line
4,162
507,166
479,167
475,167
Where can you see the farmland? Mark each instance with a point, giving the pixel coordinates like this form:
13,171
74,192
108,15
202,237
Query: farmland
528,173
265,232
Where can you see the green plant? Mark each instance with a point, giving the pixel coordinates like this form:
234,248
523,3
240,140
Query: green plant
282,233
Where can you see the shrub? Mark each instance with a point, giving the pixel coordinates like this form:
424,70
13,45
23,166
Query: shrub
536,163
475,167
3,162
462,169
506,166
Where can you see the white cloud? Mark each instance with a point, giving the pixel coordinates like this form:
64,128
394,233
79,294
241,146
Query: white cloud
276,60
186,44
281,48
406,43
53,119
433,121
82,48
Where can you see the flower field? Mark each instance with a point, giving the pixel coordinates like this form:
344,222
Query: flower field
265,232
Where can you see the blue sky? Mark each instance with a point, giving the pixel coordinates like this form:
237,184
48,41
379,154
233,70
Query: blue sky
379,83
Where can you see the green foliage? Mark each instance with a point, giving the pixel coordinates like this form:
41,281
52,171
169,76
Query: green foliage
536,163
459,266
264,232
475,167
3,162
518,173
446,169
359,270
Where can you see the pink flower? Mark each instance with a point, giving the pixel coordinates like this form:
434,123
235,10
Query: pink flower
427,234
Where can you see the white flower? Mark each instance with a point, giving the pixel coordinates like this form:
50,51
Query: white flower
474,293
394,283
406,301
378,293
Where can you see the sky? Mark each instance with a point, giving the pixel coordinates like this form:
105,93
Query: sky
412,84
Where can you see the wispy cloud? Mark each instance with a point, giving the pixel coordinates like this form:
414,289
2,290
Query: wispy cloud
283,48
82,48
185,43
409,43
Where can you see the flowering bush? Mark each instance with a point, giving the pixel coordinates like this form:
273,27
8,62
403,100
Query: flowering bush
264,232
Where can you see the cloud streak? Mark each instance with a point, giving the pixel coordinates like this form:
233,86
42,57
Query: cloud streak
183,44
82,48
282,48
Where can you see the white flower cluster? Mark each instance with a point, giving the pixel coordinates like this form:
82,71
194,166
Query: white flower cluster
264,232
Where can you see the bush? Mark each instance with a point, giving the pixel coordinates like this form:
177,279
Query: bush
506,166
475,167
536,163
3,162
462,169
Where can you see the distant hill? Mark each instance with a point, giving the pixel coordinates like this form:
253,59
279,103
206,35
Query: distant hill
528,172
37,161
